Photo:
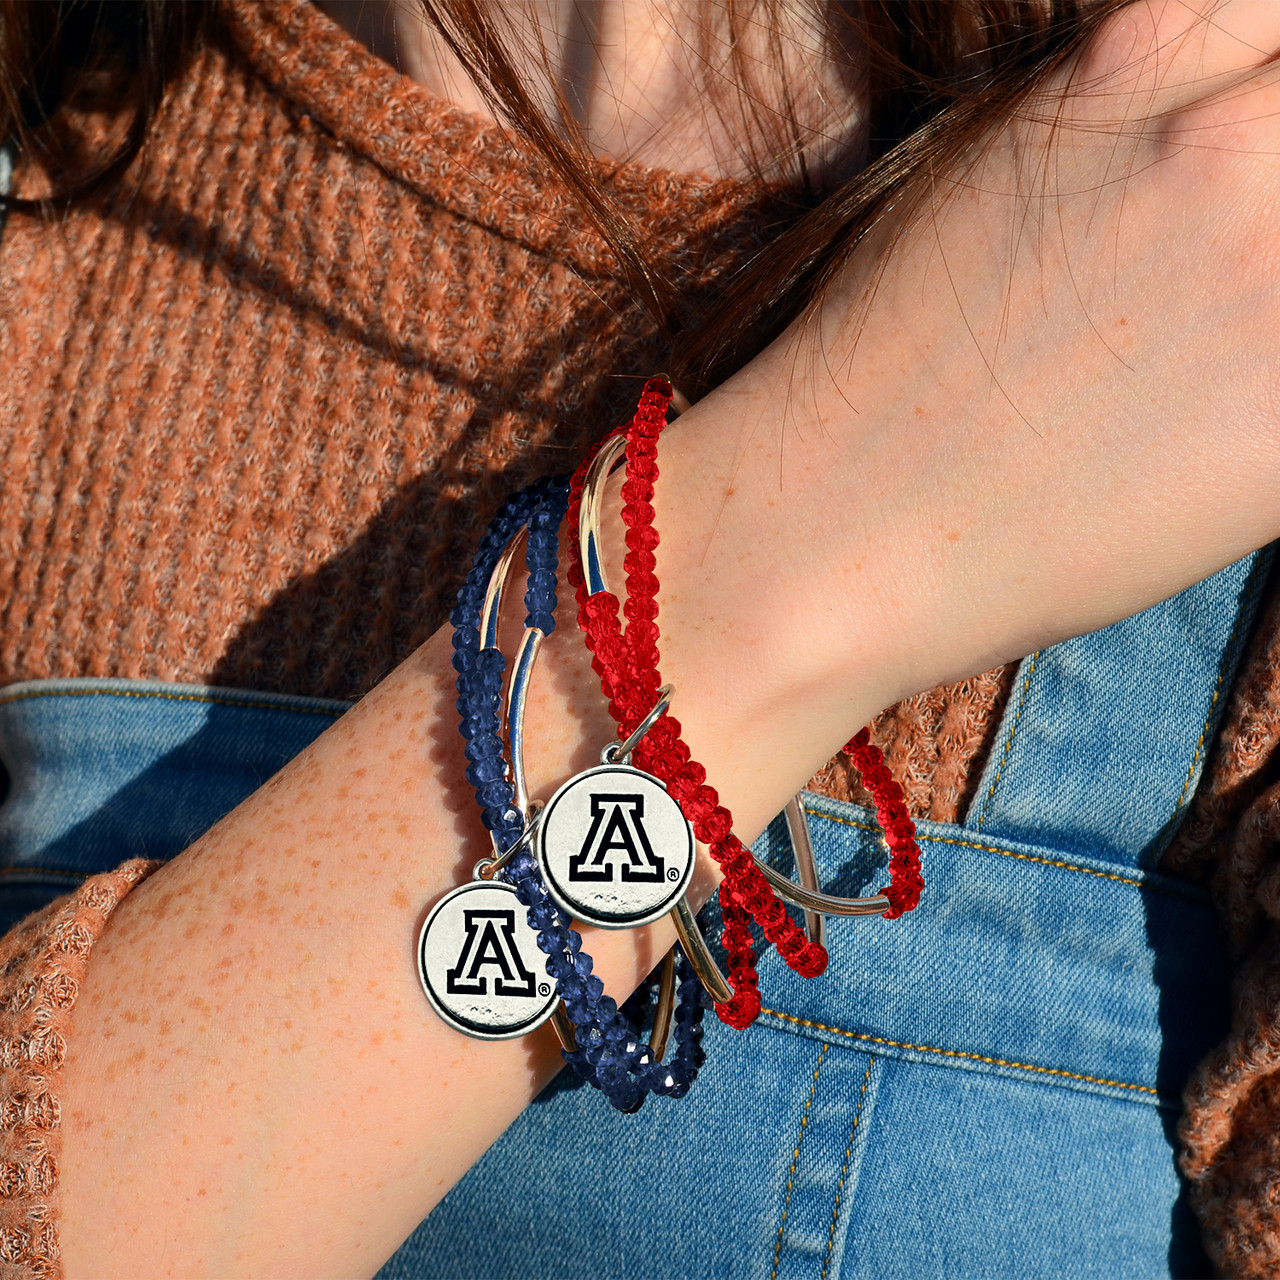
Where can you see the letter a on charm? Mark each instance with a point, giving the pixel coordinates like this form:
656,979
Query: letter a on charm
489,943
617,825
478,958
614,848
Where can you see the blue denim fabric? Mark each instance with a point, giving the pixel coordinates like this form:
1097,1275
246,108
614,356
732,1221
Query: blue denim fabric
987,1087
1093,755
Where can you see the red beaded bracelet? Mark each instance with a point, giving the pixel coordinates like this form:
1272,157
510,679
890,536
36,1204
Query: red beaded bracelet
628,668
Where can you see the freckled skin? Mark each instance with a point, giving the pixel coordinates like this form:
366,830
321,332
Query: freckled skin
377,817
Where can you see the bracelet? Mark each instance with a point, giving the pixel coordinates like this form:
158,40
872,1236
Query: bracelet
627,667
633,658
594,1021
807,893
484,924
606,1051
477,949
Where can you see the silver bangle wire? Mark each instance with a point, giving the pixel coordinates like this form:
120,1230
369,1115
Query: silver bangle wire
517,695
807,893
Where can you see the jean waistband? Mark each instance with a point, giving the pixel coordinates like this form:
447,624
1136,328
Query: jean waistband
1021,959
104,770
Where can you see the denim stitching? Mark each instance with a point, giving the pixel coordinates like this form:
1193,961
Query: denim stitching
1010,853
1008,742
960,1053
795,1159
170,697
844,1171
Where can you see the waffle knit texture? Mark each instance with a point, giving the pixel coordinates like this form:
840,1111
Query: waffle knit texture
263,396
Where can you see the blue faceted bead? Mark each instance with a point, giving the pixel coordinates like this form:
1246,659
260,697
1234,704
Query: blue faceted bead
612,1073
543,917
580,1064
523,865
488,770
494,794
494,816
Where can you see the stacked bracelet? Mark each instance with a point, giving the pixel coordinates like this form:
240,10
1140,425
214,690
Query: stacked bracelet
477,955
627,666
601,1044
480,944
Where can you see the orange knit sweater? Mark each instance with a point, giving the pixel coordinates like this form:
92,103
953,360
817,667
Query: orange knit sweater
262,397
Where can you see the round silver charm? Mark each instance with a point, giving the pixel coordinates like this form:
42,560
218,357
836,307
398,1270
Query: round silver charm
480,965
614,848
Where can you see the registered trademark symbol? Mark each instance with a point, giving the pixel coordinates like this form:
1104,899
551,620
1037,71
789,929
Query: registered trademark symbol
673,874
544,989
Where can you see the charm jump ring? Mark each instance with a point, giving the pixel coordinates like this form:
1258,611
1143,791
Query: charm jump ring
487,868
620,752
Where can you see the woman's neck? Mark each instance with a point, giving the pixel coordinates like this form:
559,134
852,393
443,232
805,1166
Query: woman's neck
665,85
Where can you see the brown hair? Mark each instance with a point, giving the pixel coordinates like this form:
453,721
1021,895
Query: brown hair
937,76
90,55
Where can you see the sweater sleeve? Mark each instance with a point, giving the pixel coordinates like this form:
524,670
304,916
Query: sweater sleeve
42,963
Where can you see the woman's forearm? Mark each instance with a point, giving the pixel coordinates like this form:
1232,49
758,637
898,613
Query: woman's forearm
257,1084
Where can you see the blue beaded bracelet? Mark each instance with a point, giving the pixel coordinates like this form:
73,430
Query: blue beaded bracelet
609,1053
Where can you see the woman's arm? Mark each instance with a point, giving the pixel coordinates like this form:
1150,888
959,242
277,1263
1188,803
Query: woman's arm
1058,410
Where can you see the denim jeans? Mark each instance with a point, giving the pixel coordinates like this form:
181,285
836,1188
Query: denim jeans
986,1087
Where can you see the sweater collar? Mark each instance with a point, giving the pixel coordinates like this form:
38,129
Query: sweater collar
463,163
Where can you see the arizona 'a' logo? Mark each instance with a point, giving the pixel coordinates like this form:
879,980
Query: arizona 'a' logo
617,825
490,942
